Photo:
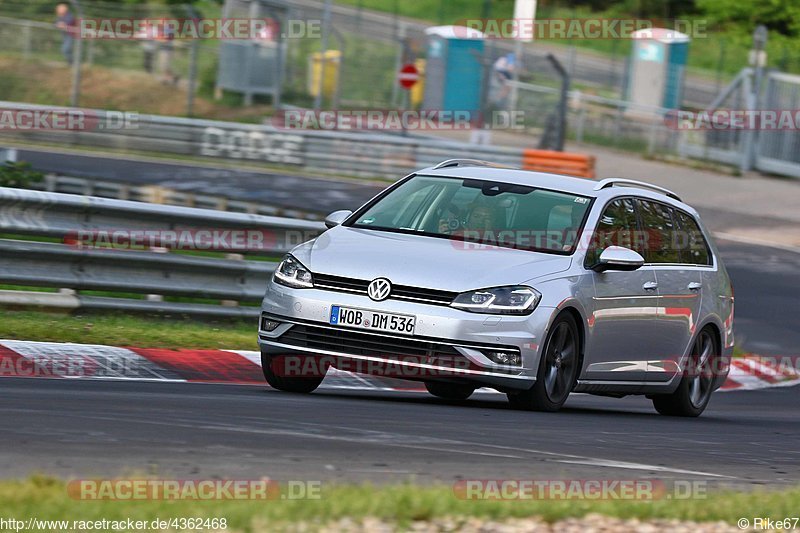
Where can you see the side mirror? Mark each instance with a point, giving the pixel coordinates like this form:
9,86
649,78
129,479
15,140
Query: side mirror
618,258
337,217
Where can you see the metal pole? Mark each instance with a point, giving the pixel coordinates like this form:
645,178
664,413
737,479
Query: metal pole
398,62
488,53
326,29
77,54
562,105
194,15
758,60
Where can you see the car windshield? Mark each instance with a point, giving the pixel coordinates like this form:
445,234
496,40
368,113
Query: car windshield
479,211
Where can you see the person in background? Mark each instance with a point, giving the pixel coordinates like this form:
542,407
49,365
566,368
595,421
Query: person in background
66,23
147,35
504,69
166,45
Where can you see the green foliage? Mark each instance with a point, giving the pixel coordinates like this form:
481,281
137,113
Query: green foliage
782,16
47,499
121,329
19,174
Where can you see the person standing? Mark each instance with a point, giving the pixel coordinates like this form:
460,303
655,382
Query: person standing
66,23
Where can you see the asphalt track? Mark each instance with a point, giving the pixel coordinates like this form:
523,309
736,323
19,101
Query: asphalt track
84,428
315,195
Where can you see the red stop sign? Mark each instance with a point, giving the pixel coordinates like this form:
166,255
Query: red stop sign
408,76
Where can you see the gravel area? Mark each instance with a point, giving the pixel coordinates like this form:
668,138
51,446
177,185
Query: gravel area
591,523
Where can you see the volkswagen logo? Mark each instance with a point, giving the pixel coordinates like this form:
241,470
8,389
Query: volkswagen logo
379,289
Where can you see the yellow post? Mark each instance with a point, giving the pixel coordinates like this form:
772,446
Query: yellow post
333,60
418,90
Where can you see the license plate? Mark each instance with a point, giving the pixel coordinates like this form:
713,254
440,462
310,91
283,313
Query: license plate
373,320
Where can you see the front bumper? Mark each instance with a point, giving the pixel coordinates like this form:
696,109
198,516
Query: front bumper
466,334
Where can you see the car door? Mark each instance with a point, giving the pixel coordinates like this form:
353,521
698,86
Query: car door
679,284
624,305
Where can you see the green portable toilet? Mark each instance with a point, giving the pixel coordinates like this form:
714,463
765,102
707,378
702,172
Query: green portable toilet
658,67
453,73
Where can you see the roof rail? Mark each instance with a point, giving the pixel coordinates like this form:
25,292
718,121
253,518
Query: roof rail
611,182
467,163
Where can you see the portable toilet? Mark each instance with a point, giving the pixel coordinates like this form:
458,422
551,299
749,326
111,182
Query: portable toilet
658,66
454,70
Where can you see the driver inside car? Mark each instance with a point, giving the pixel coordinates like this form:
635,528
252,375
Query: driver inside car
479,218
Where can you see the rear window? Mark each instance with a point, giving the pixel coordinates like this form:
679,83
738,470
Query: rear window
662,239
695,249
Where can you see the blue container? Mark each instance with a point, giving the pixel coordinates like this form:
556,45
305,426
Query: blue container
453,72
658,68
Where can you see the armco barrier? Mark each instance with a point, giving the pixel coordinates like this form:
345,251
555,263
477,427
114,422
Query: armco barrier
572,164
370,154
63,217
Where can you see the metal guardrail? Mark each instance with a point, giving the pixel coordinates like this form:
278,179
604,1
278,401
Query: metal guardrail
370,154
150,271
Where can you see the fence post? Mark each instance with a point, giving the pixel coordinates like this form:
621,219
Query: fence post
578,103
77,56
326,30
26,41
193,14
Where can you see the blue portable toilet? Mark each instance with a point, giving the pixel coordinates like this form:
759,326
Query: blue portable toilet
453,71
658,67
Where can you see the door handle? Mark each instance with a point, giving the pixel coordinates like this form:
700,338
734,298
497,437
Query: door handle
650,286
694,286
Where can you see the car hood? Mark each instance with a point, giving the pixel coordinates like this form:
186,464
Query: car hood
420,261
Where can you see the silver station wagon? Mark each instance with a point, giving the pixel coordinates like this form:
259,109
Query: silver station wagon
468,275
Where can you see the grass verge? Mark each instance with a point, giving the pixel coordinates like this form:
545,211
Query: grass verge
47,498
118,329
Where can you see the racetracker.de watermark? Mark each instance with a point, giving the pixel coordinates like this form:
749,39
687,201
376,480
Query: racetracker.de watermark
205,239
252,29
559,29
60,119
398,120
734,119
68,366
193,489
375,364
579,489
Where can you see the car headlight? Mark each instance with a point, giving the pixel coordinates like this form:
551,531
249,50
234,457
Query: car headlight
292,273
516,300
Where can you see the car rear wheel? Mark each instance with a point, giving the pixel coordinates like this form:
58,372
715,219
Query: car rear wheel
558,369
449,391
270,365
694,391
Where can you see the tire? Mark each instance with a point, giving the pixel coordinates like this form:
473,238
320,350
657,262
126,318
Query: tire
694,391
449,391
302,385
558,369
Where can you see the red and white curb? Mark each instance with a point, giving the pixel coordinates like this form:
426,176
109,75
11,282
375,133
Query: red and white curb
756,372
94,361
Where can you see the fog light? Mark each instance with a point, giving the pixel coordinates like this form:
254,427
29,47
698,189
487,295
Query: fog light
268,324
506,358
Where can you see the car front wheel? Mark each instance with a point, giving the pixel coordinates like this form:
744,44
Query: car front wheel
271,365
558,369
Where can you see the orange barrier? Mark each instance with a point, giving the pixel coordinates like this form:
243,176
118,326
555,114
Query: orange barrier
571,164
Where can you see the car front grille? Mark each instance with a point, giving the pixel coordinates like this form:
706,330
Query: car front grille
399,292
353,342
